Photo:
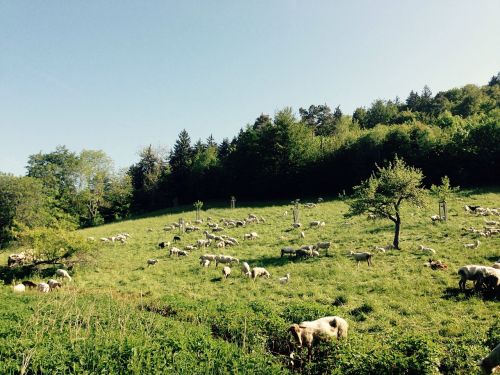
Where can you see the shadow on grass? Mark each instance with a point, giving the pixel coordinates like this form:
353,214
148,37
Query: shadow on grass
8,274
216,279
457,295
278,261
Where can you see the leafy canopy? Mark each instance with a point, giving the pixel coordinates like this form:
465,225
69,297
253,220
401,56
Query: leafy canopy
383,193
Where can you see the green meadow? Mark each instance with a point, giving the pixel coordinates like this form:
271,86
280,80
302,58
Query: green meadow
120,315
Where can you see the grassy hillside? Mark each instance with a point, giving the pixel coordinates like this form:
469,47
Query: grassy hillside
121,316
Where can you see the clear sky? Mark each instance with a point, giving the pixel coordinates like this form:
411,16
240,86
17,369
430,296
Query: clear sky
119,75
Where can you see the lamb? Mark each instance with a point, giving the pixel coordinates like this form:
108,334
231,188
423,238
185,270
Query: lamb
176,238
286,279
29,284
164,244
362,257
63,273
226,271
426,249
287,250
152,262
260,272
309,332
470,272
472,245
491,363
43,287
53,284
19,288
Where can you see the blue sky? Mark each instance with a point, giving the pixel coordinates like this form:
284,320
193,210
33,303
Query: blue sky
119,75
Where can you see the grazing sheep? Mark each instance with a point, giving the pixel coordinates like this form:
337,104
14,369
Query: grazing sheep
245,269
490,279
426,249
164,244
29,284
54,284
316,224
435,218
470,272
176,238
226,271
362,257
210,257
202,243
19,288
152,262
251,236
174,251
286,279
323,245
225,259
63,273
310,332
220,244
43,287
260,272
305,253
204,262
182,253
287,250
491,363
472,245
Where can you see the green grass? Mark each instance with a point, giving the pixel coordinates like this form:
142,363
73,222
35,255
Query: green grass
121,316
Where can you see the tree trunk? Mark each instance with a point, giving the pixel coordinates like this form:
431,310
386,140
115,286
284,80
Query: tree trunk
397,227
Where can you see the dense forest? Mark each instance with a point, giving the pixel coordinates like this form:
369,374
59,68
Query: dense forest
320,152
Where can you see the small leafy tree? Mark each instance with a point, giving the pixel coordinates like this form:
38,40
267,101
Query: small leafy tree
384,192
443,193
198,205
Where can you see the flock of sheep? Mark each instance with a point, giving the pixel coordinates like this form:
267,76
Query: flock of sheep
306,333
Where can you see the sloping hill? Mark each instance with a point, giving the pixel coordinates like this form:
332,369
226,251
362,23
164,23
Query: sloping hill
120,315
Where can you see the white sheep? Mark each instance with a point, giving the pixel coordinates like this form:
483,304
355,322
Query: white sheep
251,236
209,257
362,257
174,251
152,262
225,259
286,279
472,245
43,287
309,332
245,269
63,273
19,288
427,250
491,363
189,247
54,284
435,218
226,271
316,224
470,272
204,262
260,272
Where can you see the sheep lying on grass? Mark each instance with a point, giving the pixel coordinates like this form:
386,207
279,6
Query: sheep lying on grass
360,257
427,250
309,333
491,363
19,288
472,245
436,264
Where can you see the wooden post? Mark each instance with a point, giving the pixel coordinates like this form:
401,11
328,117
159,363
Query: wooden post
443,211
296,213
181,225
233,202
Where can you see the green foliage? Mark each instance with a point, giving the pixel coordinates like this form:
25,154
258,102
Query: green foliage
445,190
23,203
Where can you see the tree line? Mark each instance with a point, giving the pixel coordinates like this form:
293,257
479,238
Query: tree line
319,152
